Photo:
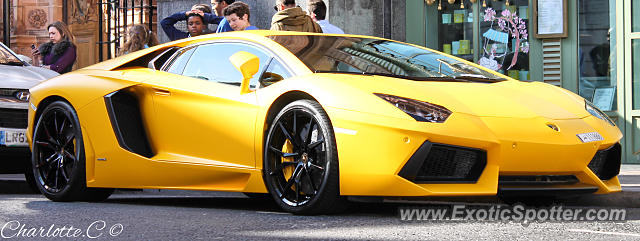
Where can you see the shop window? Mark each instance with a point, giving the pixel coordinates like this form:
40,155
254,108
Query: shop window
635,16
504,37
455,30
635,55
597,52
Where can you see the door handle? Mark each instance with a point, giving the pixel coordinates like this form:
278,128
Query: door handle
160,91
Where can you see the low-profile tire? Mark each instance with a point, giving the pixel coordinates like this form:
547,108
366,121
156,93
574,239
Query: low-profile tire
58,157
28,176
300,164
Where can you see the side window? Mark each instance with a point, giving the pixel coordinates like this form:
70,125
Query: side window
211,62
177,65
158,61
274,73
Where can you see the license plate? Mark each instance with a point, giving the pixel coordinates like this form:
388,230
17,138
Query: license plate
590,137
9,137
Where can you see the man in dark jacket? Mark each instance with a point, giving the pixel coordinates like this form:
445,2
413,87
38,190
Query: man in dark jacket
196,19
292,18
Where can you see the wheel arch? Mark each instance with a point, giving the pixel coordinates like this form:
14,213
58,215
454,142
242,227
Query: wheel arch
276,106
282,101
43,105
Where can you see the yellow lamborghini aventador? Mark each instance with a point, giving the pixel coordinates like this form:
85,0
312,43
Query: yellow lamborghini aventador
312,119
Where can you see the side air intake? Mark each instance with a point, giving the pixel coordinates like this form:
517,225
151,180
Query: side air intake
126,120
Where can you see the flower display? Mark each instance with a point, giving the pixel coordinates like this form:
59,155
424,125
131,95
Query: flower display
509,23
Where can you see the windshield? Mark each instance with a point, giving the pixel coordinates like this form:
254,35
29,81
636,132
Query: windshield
375,56
8,57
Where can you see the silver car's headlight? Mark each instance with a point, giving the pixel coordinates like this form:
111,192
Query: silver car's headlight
594,111
419,110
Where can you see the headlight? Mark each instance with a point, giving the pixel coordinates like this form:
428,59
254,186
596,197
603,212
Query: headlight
22,95
597,113
419,110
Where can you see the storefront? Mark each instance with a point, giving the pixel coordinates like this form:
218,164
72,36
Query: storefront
596,52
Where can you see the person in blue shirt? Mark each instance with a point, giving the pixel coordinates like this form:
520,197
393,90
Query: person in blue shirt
318,11
237,14
218,7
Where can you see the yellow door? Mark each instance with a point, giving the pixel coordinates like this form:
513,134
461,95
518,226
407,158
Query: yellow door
201,115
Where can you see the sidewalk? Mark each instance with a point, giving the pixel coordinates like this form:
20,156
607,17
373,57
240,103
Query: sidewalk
630,178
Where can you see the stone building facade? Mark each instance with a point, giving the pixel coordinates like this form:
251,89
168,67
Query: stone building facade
383,18
30,18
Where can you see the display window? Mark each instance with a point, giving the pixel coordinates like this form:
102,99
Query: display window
635,16
504,35
456,29
596,52
498,38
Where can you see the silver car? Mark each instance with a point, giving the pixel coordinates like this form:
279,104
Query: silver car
16,77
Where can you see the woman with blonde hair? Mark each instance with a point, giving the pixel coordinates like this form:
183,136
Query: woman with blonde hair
60,52
138,37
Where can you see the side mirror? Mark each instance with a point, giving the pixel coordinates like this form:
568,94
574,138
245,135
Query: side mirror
269,78
248,64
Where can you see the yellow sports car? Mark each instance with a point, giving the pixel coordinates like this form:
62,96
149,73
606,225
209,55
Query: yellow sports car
312,119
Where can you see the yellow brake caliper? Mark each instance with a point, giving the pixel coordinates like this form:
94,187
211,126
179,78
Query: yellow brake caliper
288,169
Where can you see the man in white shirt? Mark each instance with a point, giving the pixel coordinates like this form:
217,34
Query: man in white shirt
318,11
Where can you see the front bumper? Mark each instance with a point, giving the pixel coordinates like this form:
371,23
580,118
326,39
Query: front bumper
13,125
373,150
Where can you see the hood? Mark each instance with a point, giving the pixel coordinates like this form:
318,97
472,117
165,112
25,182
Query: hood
513,99
290,16
23,77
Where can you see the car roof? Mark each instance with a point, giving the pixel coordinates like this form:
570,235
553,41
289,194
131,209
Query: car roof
260,35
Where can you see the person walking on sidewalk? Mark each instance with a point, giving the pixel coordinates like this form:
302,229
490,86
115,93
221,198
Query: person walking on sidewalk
138,37
318,12
292,18
219,6
195,24
59,53
238,14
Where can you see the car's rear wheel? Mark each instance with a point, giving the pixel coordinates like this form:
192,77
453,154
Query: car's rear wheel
300,165
58,159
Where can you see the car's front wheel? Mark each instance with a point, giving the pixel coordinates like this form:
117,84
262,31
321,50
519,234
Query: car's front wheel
300,165
58,159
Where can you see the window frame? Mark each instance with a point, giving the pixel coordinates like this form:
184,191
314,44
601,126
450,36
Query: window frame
271,61
167,65
270,53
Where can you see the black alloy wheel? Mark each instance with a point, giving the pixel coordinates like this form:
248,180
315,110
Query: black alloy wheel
300,164
58,156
